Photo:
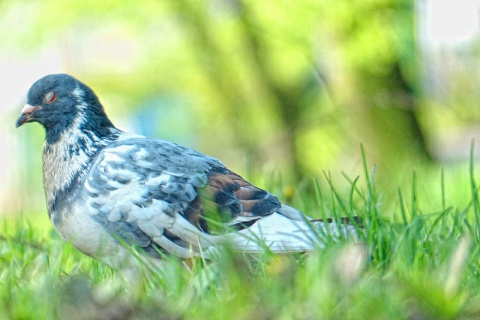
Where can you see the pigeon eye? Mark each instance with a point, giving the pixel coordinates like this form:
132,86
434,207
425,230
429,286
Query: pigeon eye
49,97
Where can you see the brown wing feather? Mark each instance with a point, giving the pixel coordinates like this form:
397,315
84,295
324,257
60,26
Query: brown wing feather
229,196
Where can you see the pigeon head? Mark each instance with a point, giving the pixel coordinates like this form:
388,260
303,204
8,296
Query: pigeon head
60,102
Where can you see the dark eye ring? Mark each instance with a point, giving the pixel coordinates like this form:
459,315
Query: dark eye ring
50,97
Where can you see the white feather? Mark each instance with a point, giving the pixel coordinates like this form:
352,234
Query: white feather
281,235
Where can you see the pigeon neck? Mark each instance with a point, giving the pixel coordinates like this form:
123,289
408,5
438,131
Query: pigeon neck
66,159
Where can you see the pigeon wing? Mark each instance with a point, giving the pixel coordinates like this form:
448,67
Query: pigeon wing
162,197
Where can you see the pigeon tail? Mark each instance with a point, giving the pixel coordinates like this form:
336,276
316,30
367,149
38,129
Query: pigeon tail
280,234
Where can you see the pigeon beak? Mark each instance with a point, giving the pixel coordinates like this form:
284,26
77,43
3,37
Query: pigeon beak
26,115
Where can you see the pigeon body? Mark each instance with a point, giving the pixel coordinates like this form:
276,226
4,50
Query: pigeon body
106,188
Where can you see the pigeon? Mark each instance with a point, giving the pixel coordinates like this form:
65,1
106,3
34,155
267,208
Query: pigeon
108,191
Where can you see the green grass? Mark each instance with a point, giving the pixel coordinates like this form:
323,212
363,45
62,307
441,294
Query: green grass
417,259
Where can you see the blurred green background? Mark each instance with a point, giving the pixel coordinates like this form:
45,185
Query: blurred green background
283,88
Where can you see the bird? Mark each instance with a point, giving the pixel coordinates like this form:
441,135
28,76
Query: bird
108,190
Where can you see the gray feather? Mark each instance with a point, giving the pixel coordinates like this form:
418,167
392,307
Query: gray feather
137,186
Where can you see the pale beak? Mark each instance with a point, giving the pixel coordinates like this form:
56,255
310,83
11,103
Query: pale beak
25,115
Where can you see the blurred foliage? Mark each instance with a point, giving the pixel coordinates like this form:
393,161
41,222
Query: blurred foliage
252,70
257,84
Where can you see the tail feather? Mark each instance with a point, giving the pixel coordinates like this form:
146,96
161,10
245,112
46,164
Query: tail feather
352,221
280,234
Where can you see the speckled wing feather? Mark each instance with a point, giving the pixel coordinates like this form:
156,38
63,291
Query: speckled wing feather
141,189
